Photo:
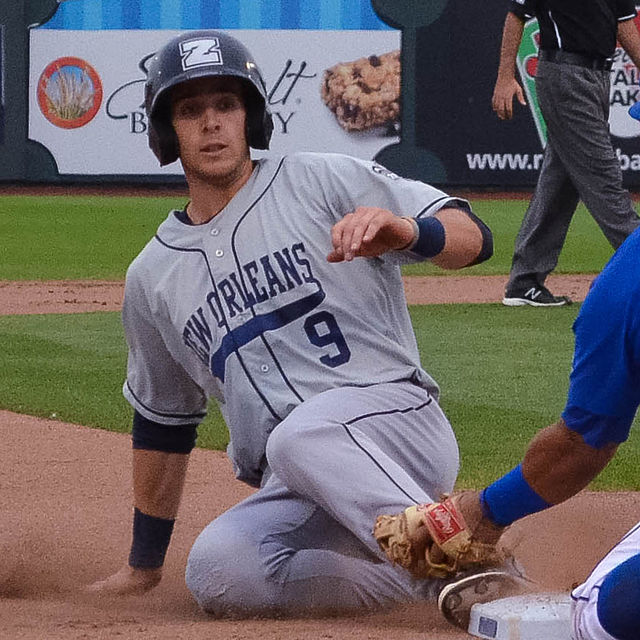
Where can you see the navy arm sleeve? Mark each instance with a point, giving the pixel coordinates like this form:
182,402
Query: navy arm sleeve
154,436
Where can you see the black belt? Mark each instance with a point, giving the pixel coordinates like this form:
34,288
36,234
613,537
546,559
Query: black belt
579,59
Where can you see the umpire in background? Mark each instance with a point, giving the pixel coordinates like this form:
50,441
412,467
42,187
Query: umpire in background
577,42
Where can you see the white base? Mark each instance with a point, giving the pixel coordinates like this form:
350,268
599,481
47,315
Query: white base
544,616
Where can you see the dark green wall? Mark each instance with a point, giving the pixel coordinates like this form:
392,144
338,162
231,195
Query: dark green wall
20,158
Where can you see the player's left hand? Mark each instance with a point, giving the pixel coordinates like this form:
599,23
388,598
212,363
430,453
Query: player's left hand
128,581
369,232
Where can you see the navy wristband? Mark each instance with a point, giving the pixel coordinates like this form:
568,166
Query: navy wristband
510,498
431,237
151,537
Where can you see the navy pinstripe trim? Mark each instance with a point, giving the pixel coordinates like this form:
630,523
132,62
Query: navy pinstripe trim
389,412
431,205
242,280
222,315
161,413
626,535
456,203
365,416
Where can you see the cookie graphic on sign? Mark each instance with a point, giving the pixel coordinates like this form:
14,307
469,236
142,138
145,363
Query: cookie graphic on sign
365,93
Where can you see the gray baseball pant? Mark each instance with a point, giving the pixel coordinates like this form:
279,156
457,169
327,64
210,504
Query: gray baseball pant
579,164
303,543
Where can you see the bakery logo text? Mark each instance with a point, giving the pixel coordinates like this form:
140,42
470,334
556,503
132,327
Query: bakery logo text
126,103
282,95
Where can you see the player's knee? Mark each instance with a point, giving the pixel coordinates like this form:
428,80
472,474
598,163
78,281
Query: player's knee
619,600
285,446
207,575
224,575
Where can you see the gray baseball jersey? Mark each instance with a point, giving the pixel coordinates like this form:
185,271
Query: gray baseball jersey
247,310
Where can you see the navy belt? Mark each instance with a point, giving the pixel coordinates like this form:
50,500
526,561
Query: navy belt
568,57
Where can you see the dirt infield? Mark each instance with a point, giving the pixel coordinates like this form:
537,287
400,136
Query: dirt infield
59,296
65,521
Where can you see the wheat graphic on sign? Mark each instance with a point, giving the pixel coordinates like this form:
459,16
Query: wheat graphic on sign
69,93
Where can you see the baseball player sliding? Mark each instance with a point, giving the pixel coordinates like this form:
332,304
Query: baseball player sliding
604,394
277,291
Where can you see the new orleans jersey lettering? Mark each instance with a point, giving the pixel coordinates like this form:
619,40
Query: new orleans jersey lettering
256,282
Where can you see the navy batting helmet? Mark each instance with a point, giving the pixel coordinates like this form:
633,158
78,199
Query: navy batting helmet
202,54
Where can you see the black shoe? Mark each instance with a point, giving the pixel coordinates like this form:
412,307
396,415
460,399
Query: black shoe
535,296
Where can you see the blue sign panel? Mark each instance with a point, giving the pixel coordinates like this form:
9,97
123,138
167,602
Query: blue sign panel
215,14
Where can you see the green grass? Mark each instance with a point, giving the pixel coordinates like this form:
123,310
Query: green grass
71,367
96,237
503,374
71,237
585,251
506,378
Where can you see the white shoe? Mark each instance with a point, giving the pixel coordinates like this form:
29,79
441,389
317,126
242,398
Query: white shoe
457,598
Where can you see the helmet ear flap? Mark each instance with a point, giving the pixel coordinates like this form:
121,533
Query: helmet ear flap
259,120
162,137
163,141
260,126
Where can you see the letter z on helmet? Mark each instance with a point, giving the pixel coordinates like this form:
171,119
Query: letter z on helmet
202,54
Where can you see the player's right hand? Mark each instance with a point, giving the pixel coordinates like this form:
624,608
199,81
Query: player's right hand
368,232
128,581
503,94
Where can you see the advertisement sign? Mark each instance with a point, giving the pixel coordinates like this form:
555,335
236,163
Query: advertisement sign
331,91
454,115
527,63
333,74
624,91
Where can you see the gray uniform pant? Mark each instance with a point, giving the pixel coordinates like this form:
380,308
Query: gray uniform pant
303,542
579,164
